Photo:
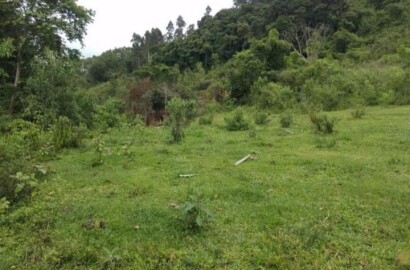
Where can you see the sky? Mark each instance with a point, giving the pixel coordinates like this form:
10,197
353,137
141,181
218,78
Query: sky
116,21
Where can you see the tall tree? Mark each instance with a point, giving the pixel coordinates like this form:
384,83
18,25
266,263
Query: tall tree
170,32
190,29
208,11
35,25
179,32
144,47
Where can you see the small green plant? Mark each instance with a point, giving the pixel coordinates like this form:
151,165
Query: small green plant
180,114
24,184
322,123
252,132
99,147
194,213
111,261
359,112
237,121
139,128
206,119
210,110
109,115
286,119
4,205
261,118
323,142
128,153
65,135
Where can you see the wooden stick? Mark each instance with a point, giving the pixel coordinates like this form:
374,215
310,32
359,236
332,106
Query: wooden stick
187,175
243,160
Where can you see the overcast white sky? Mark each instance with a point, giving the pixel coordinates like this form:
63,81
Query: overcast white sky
116,20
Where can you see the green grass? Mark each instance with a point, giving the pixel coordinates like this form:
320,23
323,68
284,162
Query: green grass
308,201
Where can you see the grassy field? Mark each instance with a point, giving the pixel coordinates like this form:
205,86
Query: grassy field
307,201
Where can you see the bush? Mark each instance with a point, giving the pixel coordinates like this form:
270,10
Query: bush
322,123
261,118
65,135
237,121
99,147
109,115
18,172
206,119
286,119
359,112
269,95
181,112
210,110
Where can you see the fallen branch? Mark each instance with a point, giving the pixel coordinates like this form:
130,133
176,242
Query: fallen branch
187,175
243,160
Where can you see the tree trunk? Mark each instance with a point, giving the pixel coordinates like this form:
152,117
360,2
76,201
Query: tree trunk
16,81
18,68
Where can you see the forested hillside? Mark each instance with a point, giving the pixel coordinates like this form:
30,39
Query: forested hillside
333,54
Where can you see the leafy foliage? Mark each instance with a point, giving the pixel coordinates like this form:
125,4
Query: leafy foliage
237,121
322,122
359,112
194,213
286,119
99,147
65,135
261,118
181,112
20,157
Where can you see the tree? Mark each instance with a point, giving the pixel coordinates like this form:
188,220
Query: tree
144,47
138,43
190,29
6,50
306,41
242,71
180,114
271,50
208,11
50,90
170,32
35,25
179,32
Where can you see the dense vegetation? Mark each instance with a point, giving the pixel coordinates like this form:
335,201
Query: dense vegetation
85,183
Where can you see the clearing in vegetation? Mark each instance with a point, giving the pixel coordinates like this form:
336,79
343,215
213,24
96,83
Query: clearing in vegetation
308,201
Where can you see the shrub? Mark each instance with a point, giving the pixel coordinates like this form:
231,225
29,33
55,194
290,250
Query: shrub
324,142
180,114
17,174
4,205
109,114
269,95
210,110
261,118
194,213
237,121
322,123
206,119
65,135
286,119
359,112
99,147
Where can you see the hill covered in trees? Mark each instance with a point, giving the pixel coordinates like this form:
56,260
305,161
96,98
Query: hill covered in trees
288,54
333,54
